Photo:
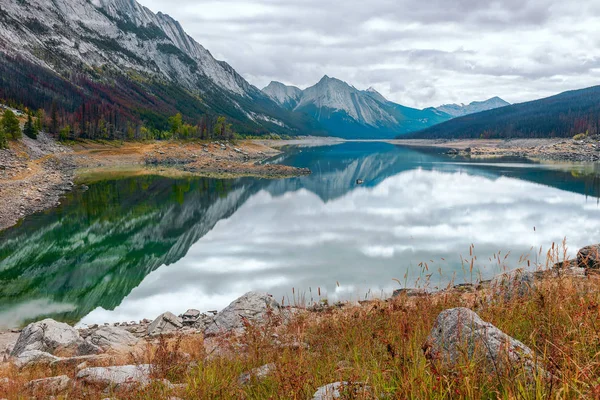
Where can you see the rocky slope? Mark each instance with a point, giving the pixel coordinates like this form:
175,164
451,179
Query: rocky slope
120,53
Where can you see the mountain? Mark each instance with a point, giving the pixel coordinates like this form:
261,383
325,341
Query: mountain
344,111
456,110
116,63
563,115
286,96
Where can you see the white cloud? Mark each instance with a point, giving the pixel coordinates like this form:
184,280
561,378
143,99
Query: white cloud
416,53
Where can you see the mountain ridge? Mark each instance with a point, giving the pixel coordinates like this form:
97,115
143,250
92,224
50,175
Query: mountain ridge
119,55
563,115
348,112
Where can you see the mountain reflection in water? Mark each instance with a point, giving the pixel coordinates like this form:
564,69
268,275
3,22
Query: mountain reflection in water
132,248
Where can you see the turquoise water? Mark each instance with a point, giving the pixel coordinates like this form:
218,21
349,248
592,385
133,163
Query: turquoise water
133,248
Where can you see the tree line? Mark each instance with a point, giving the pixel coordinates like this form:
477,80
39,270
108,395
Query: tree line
208,128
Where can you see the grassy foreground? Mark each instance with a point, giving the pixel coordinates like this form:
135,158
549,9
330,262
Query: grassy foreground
379,344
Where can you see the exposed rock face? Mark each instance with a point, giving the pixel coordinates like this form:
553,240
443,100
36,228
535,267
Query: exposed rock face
252,306
47,336
460,335
514,284
116,376
589,257
111,337
28,357
165,323
256,373
53,385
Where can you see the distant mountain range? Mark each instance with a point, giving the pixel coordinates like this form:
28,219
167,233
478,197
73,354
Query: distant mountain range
456,110
564,115
347,112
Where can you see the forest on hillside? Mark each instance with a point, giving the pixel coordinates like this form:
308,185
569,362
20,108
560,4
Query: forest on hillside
564,115
104,104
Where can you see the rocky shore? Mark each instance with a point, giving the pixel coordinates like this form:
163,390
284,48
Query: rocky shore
584,149
35,174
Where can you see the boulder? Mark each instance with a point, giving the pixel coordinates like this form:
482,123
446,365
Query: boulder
515,284
589,257
110,338
337,389
256,373
460,335
164,323
29,357
50,386
190,317
252,307
115,377
47,336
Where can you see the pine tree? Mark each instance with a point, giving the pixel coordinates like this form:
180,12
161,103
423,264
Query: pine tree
11,126
3,142
29,129
54,119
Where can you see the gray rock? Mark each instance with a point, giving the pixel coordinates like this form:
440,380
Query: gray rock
589,257
256,373
47,336
252,306
190,317
116,377
459,333
110,337
54,385
29,357
514,284
336,389
165,323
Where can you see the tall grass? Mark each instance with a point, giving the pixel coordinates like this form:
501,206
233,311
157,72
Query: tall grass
378,346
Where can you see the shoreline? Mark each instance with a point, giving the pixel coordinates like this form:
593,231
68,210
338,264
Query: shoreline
546,149
36,174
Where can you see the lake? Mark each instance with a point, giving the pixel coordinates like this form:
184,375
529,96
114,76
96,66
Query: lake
132,248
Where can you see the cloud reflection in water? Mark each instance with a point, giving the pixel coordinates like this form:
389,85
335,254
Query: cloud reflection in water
364,239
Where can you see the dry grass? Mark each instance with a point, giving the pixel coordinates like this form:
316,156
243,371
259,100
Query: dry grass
378,344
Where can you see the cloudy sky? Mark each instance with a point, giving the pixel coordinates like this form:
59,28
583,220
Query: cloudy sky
418,53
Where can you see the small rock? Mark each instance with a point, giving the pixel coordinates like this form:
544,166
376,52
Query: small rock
190,317
514,284
111,338
256,373
165,323
29,357
589,257
335,390
115,377
54,385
